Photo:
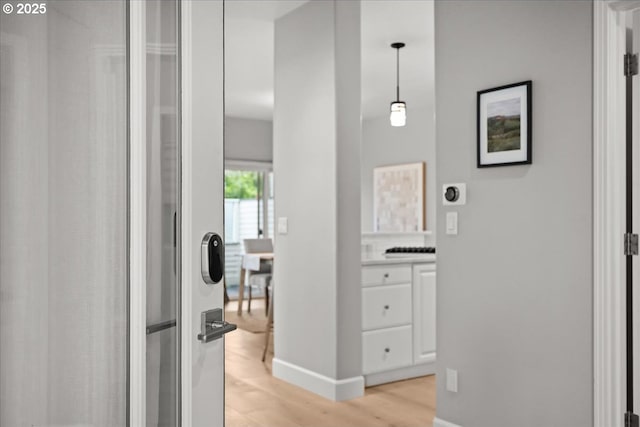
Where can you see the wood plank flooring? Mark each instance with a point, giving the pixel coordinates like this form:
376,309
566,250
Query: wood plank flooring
255,398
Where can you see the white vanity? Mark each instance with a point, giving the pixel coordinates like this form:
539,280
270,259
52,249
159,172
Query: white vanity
398,318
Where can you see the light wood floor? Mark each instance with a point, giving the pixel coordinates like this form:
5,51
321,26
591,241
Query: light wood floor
255,398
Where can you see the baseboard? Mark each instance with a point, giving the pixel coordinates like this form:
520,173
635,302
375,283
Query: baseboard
437,422
329,388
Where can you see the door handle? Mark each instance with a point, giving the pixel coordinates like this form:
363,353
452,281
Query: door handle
212,326
157,327
212,258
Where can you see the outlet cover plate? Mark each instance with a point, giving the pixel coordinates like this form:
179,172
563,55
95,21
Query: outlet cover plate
452,380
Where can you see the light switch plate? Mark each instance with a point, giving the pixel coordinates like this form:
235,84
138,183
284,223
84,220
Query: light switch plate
452,223
452,380
283,225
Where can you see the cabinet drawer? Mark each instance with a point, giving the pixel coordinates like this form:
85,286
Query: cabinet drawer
386,349
386,274
385,306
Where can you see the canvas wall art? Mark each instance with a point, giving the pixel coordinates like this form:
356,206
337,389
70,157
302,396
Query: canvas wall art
399,198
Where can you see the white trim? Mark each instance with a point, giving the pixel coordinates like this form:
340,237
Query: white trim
329,388
186,286
437,422
384,234
249,165
138,214
609,202
624,5
161,49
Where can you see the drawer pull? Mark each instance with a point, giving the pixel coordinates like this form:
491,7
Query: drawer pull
387,350
386,275
386,307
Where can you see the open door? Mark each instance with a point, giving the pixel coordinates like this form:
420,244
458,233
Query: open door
202,359
111,173
176,198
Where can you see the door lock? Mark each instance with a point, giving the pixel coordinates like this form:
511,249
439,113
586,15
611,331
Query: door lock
212,260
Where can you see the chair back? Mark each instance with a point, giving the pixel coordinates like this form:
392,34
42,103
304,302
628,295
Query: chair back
259,246
256,246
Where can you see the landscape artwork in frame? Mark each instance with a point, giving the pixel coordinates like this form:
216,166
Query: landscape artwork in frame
504,125
398,198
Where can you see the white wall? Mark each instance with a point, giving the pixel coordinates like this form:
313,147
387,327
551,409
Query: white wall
383,145
316,159
515,286
248,139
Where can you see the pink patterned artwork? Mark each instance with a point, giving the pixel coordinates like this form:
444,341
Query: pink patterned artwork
398,198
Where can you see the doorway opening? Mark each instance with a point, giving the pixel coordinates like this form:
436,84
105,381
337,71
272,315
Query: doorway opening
252,392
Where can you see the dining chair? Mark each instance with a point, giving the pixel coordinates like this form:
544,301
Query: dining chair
269,325
262,277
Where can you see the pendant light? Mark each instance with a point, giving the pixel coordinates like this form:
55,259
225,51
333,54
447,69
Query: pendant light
398,115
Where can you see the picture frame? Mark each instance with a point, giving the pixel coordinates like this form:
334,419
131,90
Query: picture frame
399,198
504,125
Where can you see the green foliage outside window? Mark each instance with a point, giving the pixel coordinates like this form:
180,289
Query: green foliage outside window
240,185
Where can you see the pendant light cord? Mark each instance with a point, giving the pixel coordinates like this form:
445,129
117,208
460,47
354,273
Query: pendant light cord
398,74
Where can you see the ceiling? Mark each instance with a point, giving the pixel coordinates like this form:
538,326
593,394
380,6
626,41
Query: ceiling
249,36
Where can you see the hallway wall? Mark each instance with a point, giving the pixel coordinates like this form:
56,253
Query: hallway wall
248,139
515,286
384,145
316,125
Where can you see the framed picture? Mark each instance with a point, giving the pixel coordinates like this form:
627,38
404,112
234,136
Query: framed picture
504,125
398,198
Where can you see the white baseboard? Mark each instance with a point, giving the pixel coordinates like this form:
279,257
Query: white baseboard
329,388
437,422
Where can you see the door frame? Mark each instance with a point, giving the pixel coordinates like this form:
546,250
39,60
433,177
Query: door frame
185,58
609,369
137,200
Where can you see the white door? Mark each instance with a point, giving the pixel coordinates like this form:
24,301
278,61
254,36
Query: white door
102,215
202,205
176,198
424,313
176,182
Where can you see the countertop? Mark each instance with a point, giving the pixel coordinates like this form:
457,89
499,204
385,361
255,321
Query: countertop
403,260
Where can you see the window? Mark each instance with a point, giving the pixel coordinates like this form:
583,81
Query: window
248,188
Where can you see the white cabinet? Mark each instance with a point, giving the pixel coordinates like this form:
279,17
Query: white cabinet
386,349
376,275
424,313
385,306
398,321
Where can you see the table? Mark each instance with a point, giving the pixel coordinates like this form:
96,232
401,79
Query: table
250,262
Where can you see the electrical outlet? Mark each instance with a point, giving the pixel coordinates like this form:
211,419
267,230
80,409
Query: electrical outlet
452,380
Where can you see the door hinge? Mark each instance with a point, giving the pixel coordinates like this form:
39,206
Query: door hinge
630,420
631,244
630,64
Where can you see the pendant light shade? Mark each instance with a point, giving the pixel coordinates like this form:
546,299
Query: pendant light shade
398,116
